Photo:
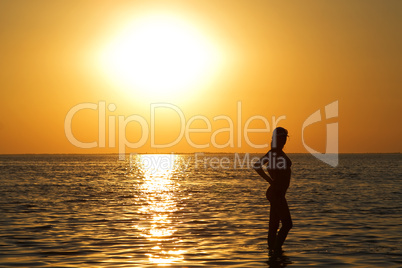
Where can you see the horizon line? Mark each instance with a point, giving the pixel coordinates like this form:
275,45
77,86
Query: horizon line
183,153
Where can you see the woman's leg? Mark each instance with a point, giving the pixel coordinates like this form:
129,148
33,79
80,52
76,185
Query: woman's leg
287,224
273,225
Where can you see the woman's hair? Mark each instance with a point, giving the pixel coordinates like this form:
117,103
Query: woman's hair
279,136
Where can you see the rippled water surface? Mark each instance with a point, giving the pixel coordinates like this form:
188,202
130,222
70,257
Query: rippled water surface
186,211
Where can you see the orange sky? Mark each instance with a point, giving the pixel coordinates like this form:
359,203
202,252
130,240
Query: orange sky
282,59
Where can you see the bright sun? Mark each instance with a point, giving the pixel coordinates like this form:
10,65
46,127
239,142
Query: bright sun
160,55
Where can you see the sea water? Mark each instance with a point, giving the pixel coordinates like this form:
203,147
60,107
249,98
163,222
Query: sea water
194,210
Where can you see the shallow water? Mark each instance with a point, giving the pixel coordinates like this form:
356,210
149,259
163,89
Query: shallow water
151,210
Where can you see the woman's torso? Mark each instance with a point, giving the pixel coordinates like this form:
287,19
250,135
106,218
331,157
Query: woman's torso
279,168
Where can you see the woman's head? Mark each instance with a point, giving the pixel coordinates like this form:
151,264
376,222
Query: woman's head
279,137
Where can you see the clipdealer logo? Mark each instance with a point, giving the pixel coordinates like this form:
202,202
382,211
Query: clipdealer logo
331,151
238,132
235,128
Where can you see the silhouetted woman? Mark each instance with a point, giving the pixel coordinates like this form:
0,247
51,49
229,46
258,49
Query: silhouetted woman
278,166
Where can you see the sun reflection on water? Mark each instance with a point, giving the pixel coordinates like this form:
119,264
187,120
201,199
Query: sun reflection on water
158,195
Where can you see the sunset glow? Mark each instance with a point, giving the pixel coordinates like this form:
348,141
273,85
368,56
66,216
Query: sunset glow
160,55
278,60
200,133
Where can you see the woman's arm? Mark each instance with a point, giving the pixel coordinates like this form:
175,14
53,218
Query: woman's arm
258,168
